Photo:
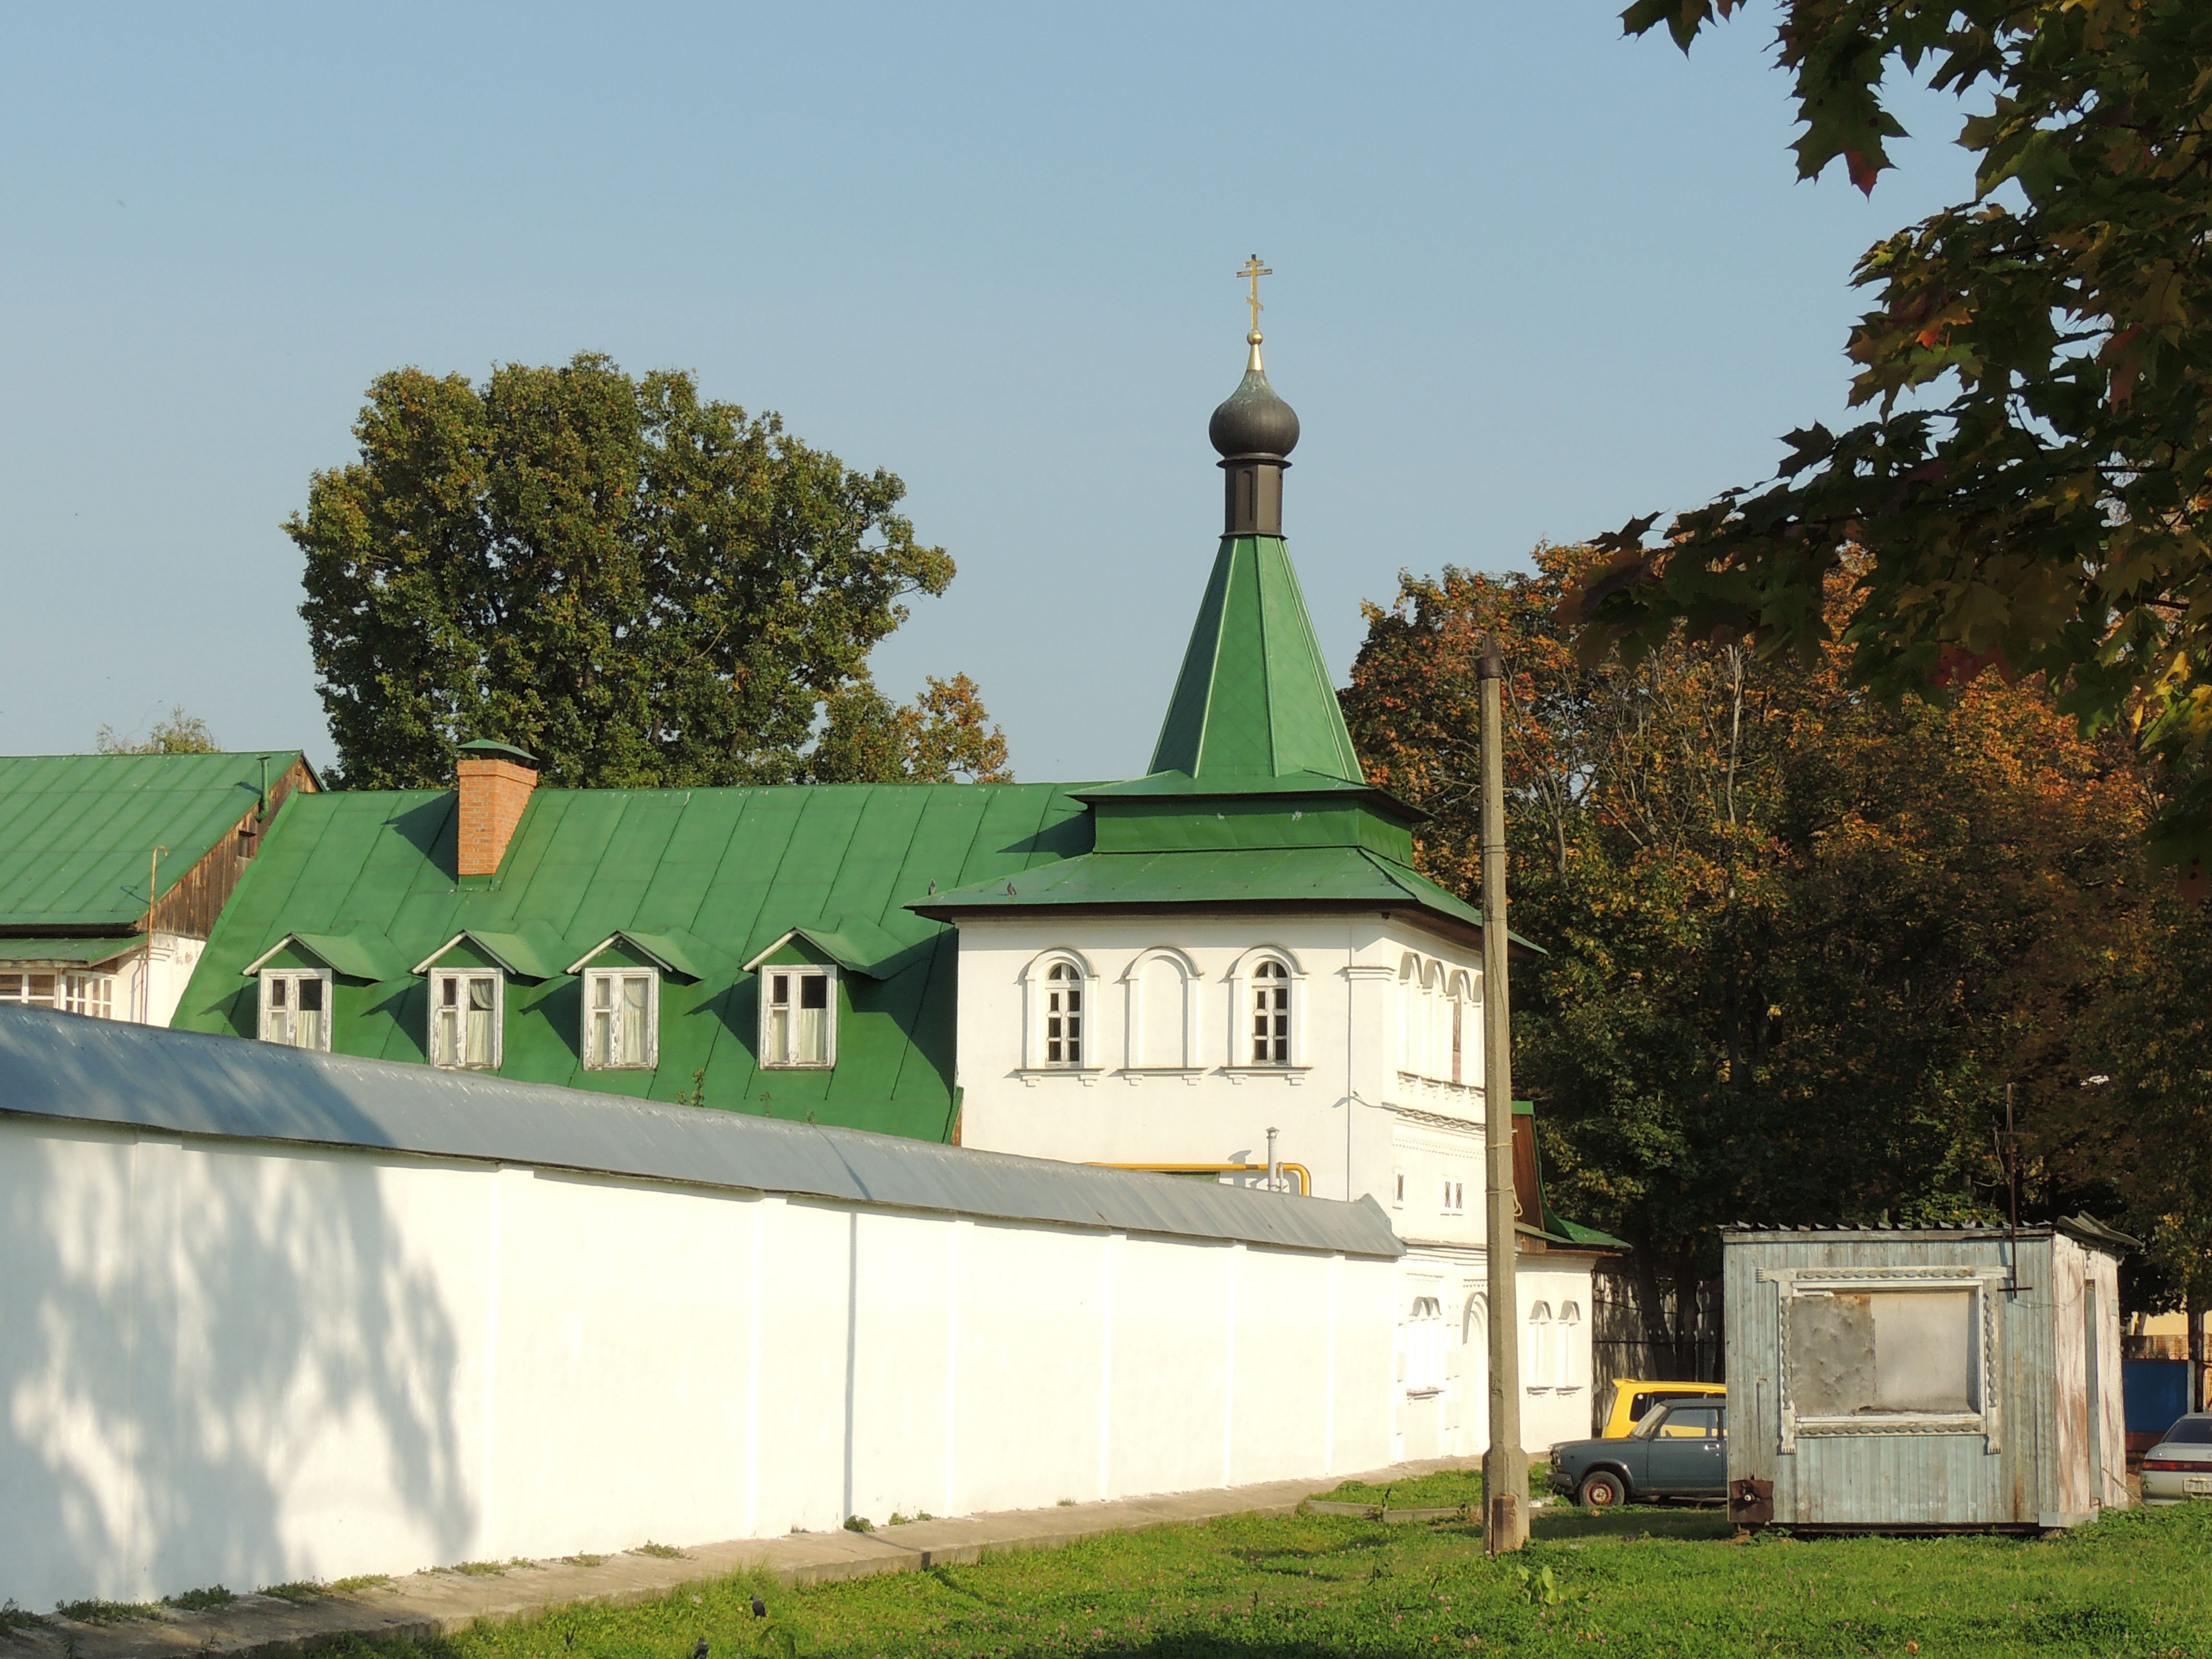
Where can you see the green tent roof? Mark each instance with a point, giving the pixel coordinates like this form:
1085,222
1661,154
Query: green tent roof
77,832
712,876
1255,699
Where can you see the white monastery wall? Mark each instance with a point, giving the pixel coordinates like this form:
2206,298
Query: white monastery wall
250,1362
1383,1096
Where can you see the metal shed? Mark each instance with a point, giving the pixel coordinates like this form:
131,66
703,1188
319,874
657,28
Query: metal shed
1921,1379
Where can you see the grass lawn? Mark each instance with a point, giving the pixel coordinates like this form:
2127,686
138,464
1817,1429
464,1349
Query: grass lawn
1636,1581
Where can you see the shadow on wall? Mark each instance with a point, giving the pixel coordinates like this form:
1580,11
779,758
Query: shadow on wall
158,1429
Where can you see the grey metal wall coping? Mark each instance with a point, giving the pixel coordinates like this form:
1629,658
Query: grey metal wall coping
185,1083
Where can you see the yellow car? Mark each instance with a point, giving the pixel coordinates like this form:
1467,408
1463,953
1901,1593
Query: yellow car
1631,1400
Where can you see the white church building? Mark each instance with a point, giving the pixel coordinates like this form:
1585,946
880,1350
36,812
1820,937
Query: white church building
1247,975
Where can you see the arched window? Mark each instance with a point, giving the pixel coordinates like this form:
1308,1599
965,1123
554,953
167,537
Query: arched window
1271,1014
1539,1362
1063,1015
1570,1330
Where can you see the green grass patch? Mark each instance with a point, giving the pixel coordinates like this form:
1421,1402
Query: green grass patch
15,1617
583,1561
670,1553
199,1601
97,1611
479,1569
300,1591
1442,1490
1638,1582
358,1583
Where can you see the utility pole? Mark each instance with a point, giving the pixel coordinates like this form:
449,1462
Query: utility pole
1504,1465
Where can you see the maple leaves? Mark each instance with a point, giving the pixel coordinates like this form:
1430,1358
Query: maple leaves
2035,487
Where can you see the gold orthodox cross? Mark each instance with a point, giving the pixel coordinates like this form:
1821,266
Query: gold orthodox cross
1255,271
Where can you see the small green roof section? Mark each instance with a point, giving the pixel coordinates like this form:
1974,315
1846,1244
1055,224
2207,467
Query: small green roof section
491,749
673,952
77,832
1255,699
108,947
854,943
697,881
1556,1229
358,953
534,954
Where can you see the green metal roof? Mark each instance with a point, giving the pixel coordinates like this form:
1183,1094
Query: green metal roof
106,948
1556,1229
1328,875
77,832
1254,698
730,870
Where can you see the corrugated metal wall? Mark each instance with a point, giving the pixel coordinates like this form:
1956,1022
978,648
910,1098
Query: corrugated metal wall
2029,1457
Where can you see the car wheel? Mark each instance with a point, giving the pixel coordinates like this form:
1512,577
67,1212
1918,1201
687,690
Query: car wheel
1602,1490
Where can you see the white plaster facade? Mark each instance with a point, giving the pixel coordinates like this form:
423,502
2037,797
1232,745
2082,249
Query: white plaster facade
247,1363
1382,1096
143,986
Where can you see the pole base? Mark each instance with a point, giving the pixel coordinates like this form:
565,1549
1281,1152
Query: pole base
1505,1506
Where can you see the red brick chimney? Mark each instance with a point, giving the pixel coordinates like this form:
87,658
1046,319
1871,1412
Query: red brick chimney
496,781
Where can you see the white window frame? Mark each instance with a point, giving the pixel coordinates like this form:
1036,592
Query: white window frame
292,979
1035,981
1986,1284
439,978
798,971
20,996
1135,1056
613,977
91,994
1244,984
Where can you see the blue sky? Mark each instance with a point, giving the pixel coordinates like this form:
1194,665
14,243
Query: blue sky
1531,278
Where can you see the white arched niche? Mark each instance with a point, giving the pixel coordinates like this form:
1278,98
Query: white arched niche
1162,986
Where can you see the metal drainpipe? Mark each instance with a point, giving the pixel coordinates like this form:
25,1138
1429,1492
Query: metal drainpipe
1274,1181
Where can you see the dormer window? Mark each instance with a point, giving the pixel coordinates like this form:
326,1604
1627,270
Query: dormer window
1271,1014
466,1006
798,1016
296,1009
622,1019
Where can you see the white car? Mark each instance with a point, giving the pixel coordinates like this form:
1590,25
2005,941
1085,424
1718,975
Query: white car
2181,1466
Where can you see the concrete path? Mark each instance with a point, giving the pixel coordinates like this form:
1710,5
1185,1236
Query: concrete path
432,1603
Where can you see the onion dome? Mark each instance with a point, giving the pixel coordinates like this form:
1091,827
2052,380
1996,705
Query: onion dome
1254,420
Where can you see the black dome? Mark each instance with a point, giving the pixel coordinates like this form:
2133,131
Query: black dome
1254,420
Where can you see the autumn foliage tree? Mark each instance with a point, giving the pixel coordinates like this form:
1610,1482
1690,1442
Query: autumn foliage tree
2033,484
642,587
1796,940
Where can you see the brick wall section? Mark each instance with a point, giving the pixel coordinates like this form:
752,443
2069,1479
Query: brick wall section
493,794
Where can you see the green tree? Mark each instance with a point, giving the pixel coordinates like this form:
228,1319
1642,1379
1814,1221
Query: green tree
641,588
2035,489
941,737
175,734
1797,940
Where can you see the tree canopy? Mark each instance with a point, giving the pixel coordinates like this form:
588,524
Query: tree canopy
641,588
175,733
1797,940
2034,490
